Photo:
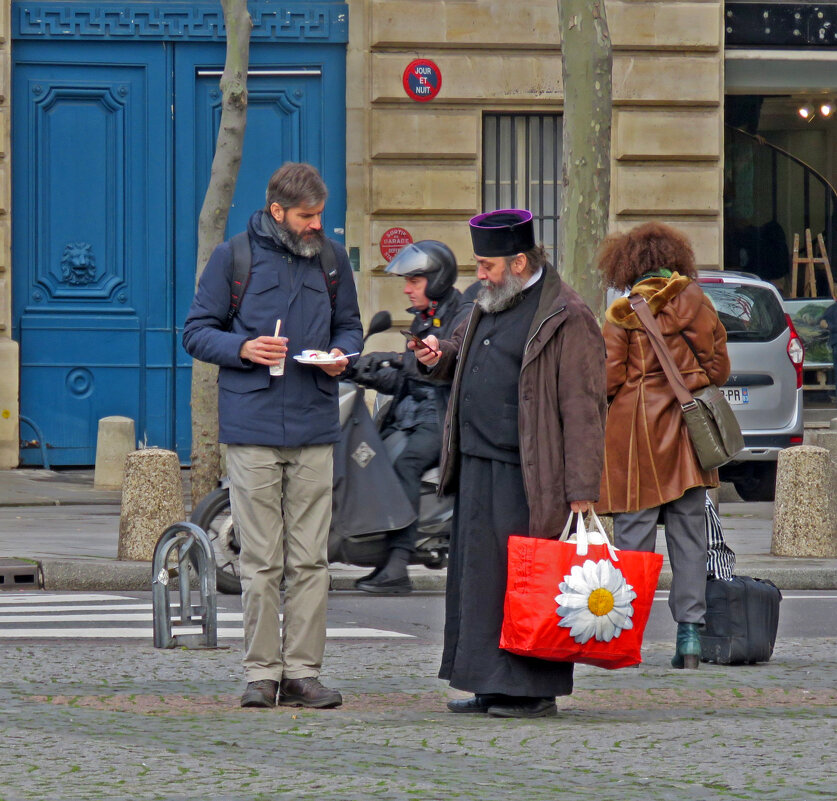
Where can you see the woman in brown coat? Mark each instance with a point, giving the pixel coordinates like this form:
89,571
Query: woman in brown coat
651,469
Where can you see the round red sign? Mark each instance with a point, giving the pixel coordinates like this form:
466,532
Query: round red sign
422,80
393,240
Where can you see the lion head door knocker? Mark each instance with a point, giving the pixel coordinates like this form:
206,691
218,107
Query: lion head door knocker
77,264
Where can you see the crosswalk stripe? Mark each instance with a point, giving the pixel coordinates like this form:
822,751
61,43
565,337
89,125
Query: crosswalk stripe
104,618
38,616
141,634
7,610
50,598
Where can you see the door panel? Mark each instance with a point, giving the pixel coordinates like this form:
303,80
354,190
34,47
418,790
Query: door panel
90,161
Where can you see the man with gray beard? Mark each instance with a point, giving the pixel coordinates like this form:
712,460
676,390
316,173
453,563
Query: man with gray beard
280,426
523,446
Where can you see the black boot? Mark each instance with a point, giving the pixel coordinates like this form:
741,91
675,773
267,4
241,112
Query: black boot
393,579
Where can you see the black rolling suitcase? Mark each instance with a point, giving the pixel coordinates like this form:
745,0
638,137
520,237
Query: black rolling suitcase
742,616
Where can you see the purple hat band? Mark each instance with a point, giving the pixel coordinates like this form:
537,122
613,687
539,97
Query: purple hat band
523,216
505,232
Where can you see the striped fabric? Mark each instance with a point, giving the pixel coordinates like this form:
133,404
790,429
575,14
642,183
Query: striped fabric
720,559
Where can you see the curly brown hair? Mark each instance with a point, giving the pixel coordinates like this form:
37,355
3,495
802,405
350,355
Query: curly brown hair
647,248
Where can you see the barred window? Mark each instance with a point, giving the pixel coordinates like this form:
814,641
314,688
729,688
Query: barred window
521,168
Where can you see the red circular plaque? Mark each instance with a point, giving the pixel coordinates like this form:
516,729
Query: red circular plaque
422,80
393,240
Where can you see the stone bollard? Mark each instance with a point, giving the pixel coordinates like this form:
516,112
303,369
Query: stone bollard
152,500
804,521
114,441
827,438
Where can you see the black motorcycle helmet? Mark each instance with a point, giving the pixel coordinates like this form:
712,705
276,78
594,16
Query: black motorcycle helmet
429,258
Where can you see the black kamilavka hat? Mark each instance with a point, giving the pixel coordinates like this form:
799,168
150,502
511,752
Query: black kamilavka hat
502,233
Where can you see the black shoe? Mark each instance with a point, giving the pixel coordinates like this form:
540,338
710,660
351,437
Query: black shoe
369,576
308,692
388,582
477,703
525,708
260,693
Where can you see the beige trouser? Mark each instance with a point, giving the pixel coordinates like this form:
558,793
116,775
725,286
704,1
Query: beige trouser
281,506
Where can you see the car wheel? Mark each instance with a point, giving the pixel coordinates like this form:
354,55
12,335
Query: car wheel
759,485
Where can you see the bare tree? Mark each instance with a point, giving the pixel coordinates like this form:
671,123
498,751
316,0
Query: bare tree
212,223
586,60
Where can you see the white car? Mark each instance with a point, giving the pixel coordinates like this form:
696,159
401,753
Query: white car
765,383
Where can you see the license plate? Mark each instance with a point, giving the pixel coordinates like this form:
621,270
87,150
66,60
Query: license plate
736,396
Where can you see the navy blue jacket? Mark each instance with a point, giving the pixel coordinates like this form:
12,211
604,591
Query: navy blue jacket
299,408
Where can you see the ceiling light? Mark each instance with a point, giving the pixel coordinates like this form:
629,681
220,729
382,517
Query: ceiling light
804,112
826,109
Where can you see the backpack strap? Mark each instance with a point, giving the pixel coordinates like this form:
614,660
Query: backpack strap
328,264
242,260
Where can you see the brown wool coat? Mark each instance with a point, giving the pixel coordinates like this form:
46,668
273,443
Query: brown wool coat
649,459
562,405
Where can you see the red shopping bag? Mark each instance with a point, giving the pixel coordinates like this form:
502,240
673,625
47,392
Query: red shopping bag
578,601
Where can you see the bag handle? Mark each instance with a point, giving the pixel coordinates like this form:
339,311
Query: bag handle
584,538
640,306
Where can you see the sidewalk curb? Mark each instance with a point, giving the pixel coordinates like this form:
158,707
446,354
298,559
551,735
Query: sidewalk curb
109,575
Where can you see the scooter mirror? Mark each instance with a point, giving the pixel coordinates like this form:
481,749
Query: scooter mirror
381,321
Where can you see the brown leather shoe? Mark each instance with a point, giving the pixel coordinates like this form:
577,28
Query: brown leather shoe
308,692
260,693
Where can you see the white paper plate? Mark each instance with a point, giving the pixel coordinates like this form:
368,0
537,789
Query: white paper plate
308,360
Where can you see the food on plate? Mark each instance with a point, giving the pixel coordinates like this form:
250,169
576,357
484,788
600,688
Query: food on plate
315,355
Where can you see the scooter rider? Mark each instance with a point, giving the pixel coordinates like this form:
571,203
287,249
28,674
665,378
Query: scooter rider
418,406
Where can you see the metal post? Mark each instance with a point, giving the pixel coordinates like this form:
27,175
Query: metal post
184,537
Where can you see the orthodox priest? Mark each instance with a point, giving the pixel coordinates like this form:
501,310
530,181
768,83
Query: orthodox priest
523,445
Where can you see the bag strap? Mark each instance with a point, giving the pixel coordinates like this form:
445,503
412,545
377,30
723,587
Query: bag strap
328,264
242,258
640,306
584,538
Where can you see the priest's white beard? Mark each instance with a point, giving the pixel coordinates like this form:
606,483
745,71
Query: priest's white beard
493,298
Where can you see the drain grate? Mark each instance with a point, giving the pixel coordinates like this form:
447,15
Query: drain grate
15,575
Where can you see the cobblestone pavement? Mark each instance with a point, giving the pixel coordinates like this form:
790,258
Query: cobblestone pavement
123,721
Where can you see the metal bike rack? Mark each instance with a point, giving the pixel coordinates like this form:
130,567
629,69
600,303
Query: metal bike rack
184,537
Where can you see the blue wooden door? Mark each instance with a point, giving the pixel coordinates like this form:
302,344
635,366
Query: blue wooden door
92,265
113,147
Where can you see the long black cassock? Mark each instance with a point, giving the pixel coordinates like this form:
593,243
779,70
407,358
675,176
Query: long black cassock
490,506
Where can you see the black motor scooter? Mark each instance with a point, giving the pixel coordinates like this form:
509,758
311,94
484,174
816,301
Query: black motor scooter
368,500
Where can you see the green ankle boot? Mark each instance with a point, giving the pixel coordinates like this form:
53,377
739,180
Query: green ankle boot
687,654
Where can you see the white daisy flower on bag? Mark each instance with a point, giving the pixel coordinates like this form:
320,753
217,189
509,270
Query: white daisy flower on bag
595,601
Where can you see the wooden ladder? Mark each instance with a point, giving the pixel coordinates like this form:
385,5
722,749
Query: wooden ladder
809,289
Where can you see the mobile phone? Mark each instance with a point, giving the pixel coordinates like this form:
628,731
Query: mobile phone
418,341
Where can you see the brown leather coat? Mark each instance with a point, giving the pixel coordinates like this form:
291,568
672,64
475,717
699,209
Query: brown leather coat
649,458
562,406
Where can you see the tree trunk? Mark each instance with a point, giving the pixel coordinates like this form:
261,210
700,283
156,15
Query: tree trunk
206,454
586,59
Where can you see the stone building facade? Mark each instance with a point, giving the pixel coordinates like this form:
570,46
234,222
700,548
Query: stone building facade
418,165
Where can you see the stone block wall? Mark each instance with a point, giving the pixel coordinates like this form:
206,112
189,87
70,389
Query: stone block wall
9,389
419,165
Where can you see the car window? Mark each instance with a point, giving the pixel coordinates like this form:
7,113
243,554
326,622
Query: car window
749,313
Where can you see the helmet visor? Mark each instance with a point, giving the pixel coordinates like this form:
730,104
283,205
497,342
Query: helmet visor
411,260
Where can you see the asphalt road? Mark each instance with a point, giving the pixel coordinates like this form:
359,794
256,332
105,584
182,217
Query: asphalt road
803,615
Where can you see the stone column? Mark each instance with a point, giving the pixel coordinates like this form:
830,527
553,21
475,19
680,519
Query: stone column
804,520
152,500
